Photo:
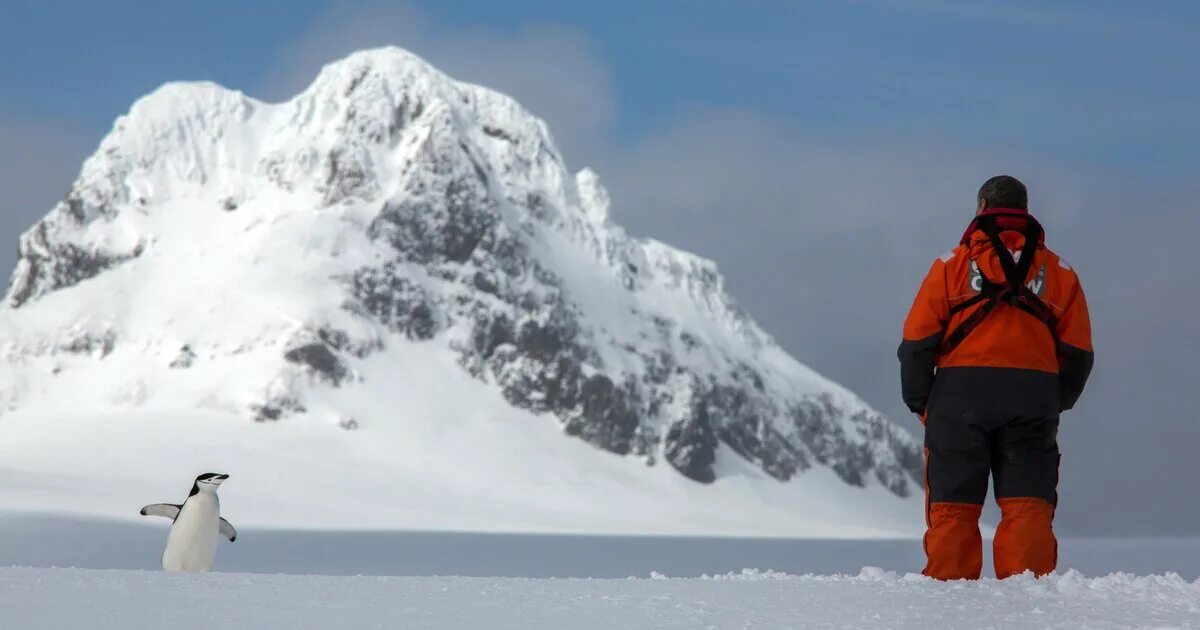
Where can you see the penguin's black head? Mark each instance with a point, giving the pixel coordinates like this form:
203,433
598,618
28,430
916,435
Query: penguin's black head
208,481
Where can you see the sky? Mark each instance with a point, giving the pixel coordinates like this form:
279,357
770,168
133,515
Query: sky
822,152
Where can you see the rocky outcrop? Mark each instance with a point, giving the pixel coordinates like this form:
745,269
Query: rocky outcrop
49,262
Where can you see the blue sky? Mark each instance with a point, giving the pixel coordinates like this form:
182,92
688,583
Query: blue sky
1103,82
823,152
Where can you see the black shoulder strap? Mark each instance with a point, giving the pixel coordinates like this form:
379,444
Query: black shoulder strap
1014,291
990,298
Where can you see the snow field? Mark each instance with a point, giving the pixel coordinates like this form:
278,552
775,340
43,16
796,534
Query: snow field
73,598
458,461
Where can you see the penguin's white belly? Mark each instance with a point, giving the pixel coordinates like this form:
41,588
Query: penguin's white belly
192,542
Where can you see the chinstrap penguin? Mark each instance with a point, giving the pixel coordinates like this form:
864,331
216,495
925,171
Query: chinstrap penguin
192,542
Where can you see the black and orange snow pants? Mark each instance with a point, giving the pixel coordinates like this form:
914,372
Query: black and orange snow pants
969,435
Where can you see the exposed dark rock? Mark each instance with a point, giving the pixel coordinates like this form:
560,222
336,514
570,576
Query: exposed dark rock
409,109
340,341
359,76
47,266
819,428
276,409
744,427
852,462
489,334
813,418
499,133
80,205
100,345
398,303
184,359
484,282
264,413
320,360
346,178
543,342
405,226
690,342
759,443
74,207
540,365
659,365
691,444
606,416
434,230
906,462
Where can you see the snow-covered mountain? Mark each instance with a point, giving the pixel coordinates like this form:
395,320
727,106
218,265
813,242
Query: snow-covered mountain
392,281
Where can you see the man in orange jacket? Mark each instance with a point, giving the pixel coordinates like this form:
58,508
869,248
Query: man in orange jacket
997,345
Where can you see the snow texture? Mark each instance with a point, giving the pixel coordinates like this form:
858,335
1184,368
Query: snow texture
100,544
388,293
76,598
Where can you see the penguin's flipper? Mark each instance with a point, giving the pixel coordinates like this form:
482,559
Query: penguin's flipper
166,510
228,531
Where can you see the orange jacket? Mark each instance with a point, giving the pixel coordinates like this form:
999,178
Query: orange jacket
1008,337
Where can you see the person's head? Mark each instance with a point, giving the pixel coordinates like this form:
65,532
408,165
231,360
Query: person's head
1002,191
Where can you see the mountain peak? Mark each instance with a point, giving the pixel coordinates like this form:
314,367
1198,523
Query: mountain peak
389,63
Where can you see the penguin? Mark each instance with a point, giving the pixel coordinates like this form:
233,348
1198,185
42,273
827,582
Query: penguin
195,525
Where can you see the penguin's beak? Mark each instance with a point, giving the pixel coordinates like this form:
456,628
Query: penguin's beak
217,480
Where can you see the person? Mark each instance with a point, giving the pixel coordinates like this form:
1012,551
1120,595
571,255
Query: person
996,346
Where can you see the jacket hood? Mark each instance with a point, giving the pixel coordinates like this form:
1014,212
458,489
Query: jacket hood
1007,219
1010,222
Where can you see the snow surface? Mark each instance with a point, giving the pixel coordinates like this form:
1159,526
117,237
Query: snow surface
76,598
459,466
211,221
97,544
